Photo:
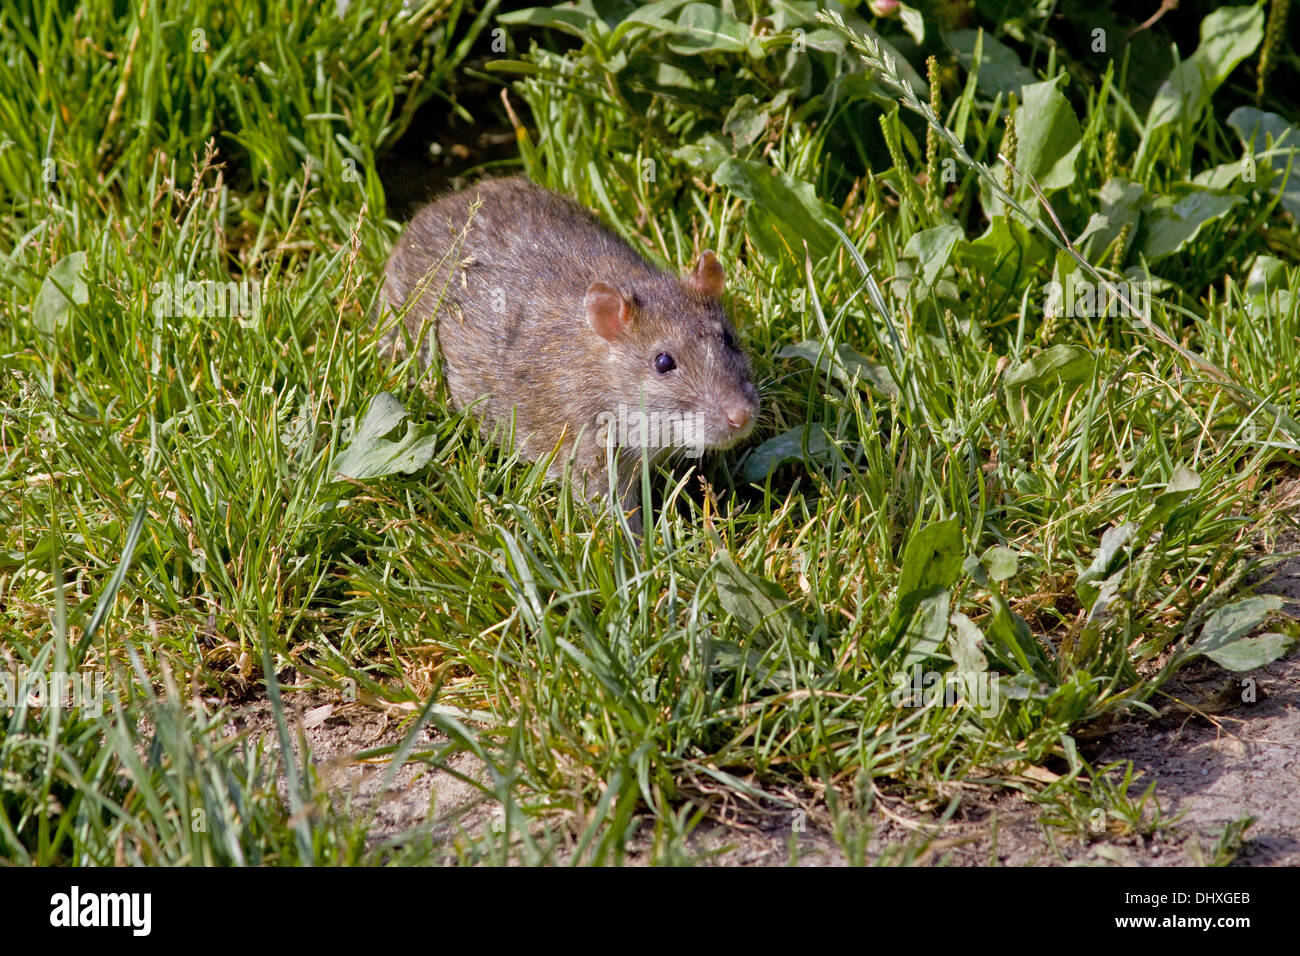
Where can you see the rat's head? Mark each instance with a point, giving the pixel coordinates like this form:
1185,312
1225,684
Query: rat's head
674,358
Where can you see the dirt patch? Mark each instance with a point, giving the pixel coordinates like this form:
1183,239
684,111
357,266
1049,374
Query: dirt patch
1243,763
1210,775
336,733
1214,771
1238,758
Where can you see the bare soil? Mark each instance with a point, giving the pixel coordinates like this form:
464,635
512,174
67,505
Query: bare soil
1226,759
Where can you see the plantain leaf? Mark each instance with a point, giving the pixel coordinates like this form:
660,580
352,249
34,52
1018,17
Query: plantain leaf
1169,223
1120,207
926,626
755,602
62,289
1104,562
370,455
1226,637
964,643
847,364
705,28
1051,369
1275,144
783,213
1228,36
932,248
785,448
999,67
932,558
1001,563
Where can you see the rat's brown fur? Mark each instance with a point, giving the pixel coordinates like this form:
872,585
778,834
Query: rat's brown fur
552,318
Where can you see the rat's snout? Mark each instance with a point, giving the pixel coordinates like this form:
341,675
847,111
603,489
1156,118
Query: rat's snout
741,409
738,416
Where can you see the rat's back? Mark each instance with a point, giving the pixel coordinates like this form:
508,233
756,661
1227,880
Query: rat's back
525,244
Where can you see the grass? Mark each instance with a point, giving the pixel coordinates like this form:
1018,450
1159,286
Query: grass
952,463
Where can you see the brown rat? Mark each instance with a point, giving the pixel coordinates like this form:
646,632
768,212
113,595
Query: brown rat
549,316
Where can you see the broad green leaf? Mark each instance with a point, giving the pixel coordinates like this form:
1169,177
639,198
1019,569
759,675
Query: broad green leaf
1005,253
651,12
964,642
1070,702
1168,503
1260,130
755,602
1108,555
1267,274
1099,611
687,87
370,455
999,71
1248,653
62,289
1048,136
783,212
612,12
384,414
932,558
823,40
1220,177
565,19
730,655
1011,637
1120,207
649,15
1001,563
1270,309
705,155
912,22
1048,139
1169,224
794,14
746,121
705,28
1051,369
785,448
845,364
1226,640
932,248
1181,484
1022,686
1228,36
925,627
1275,145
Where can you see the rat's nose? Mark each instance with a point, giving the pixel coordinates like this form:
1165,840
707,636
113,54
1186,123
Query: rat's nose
738,416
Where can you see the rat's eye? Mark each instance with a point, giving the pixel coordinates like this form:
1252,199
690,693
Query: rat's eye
664,363
728,339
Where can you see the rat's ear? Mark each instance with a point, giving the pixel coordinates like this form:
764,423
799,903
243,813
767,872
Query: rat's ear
708,277
608,312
